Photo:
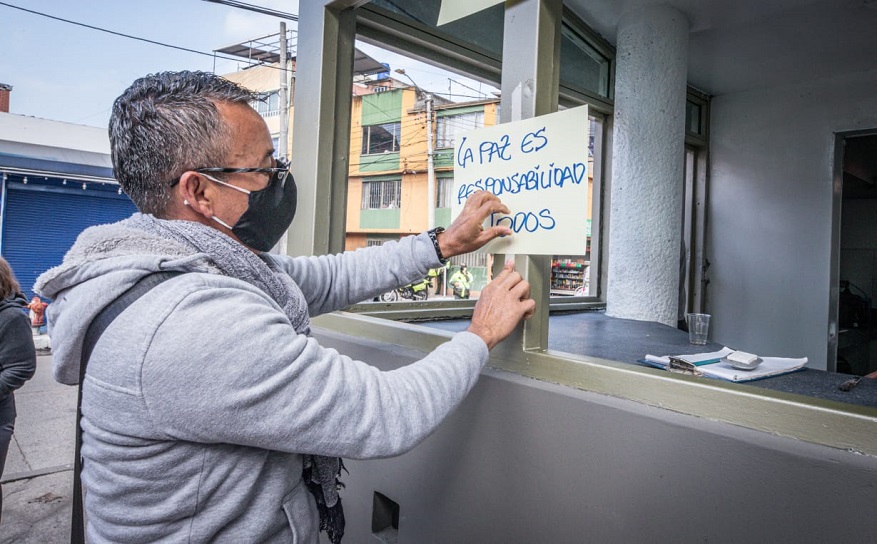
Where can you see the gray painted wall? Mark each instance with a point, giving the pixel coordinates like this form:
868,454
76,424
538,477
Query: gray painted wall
770,212
523,461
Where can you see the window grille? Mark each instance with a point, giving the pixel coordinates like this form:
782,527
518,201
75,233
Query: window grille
381,194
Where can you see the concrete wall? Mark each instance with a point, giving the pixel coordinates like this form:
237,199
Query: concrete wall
523,461
770,212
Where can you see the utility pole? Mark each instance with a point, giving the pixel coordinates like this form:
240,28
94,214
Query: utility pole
283,138
430,167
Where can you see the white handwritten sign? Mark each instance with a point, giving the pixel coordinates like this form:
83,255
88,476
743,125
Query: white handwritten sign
538,167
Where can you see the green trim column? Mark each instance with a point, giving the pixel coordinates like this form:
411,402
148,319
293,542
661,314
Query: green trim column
321,128
530,87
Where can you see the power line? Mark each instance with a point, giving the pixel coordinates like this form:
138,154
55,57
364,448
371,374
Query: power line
257,9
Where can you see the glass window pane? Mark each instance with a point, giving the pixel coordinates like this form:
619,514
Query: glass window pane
274,102
582,67
408,138
400,126
571,274
261,105
482,29
692,117
448,127
443,192
380,138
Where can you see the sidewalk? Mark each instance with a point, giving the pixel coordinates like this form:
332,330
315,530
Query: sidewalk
38,478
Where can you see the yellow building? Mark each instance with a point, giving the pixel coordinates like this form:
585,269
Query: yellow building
387,192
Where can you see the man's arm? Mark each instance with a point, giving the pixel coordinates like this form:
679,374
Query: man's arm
332,282
262,385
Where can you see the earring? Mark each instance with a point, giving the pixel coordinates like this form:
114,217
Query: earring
185,202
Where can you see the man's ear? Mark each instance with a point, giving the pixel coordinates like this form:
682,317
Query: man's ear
195,193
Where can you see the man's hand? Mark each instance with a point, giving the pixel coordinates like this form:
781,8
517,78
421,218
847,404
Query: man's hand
501,306
466,233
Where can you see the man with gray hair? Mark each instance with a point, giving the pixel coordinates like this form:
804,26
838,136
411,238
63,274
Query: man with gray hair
209,413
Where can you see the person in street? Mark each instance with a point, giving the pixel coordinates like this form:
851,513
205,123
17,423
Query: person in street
18,357
37,309
461,282
434,276
209,412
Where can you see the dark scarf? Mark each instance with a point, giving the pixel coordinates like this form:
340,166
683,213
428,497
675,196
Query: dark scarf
231,258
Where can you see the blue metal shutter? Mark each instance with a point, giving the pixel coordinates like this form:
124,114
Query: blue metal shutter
41,224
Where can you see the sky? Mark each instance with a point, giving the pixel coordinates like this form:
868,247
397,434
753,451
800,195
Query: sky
65,72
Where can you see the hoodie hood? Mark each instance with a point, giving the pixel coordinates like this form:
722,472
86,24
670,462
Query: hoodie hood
16,300
104,262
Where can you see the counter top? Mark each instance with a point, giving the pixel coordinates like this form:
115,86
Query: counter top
595,334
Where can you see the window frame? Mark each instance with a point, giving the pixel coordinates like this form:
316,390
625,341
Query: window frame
263,102
696,188
373,24
395,131
442,124
443,191
383,188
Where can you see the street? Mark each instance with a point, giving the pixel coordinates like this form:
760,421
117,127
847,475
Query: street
38,478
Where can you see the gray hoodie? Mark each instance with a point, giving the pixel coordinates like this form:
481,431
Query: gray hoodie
200,398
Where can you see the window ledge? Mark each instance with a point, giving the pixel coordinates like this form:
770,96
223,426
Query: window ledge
844,426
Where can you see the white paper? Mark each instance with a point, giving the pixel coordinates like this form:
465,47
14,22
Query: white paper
770,366
538,167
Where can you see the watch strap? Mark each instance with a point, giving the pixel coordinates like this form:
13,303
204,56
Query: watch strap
433,235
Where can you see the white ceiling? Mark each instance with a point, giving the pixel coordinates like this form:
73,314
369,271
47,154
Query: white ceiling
739,45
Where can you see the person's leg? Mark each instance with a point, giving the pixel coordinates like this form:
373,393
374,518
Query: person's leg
7,425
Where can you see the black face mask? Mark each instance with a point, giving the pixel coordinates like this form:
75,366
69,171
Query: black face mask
269,211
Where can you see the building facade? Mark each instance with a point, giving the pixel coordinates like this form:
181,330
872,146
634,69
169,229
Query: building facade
265,80
56,180
388,193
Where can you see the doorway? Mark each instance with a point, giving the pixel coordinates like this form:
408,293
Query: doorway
853,325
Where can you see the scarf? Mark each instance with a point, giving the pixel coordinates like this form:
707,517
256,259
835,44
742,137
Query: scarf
230,258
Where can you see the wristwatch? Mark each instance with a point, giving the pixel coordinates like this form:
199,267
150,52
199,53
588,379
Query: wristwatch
433,235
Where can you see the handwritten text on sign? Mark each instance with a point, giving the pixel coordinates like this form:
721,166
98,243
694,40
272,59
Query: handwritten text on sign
538,167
